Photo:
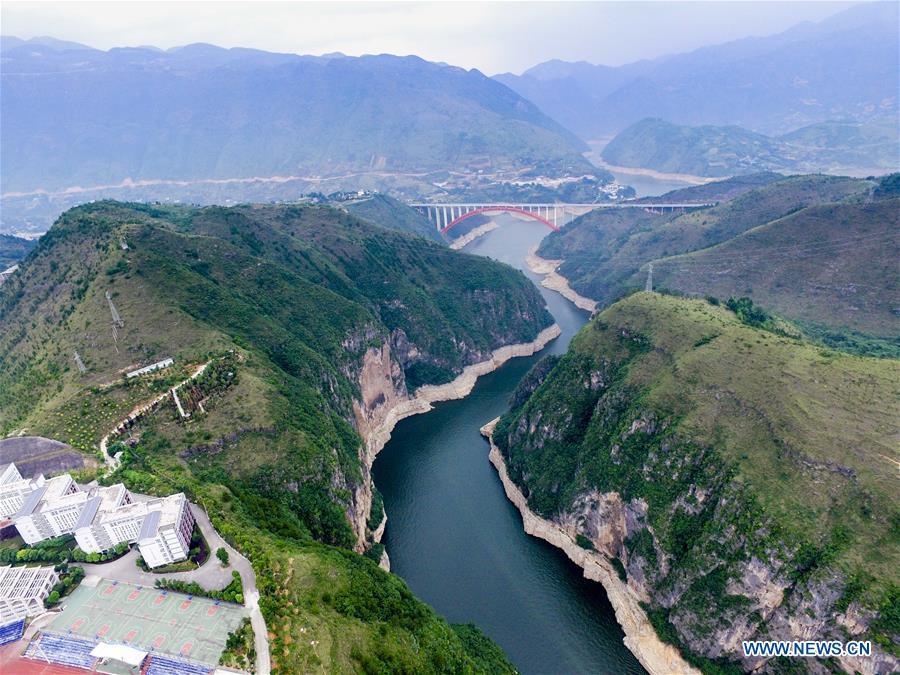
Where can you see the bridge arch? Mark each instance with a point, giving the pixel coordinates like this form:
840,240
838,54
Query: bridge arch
499,208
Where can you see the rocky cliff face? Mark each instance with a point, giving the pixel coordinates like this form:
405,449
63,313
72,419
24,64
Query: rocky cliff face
599,465
384,400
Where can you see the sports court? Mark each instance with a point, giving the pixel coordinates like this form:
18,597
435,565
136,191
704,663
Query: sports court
150,619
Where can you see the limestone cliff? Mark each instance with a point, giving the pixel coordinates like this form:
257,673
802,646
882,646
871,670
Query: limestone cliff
385,400
663,454
611,525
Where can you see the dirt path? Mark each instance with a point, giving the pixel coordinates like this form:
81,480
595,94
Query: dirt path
113,463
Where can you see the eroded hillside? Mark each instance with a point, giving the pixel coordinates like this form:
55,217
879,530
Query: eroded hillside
744,483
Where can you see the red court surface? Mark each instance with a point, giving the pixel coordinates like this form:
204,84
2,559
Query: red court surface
11,663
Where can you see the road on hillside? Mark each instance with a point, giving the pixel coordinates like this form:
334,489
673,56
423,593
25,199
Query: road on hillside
211,575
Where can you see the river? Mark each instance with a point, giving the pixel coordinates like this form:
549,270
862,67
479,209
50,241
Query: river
458,542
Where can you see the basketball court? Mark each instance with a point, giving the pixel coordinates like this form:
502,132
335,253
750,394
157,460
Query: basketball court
151,619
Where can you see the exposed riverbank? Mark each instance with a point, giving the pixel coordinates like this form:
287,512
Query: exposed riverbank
472,235
655,655
377,425
689,178
556,281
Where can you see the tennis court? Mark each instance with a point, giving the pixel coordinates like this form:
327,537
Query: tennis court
150,619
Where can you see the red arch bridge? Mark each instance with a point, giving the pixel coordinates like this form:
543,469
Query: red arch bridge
553,215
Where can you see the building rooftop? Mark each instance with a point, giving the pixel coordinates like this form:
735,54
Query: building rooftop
150,526
155,513
23,582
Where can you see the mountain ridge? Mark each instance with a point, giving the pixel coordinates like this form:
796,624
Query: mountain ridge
839,67
318,323
860,148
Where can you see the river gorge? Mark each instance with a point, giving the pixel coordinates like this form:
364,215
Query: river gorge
453,536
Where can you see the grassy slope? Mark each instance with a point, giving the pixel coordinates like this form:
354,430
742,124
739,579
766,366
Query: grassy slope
300,293
388,212
802,440
832,264
605,254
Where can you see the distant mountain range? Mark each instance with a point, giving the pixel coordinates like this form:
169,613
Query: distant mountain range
76,116
864,148
845,67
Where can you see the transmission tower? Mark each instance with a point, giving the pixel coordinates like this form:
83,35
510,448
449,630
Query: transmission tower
116,319
649,285
80,364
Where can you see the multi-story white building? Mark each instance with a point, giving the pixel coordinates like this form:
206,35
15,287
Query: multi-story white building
9,474
49,511
14,493
161,527
23,589
103,522
165,535
100,518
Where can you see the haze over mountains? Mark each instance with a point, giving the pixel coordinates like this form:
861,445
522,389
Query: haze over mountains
208,125
87,117
843,67
870,147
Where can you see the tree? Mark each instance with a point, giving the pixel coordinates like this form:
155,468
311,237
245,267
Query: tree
222,555
52,599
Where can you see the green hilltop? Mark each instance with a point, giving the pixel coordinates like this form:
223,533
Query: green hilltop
820,250
295,309
395,215
755,473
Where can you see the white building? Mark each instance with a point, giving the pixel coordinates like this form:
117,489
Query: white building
100,518
14,493
161,527
165,535
9,474
159,365
102,524
49,511
23,589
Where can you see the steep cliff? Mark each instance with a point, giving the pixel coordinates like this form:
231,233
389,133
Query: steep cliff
743,484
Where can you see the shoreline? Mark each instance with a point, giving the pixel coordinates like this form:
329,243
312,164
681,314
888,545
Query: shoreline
425,397
641,640
556,281
660,175
473,234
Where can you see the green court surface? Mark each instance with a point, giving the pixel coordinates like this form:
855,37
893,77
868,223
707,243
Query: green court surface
150,619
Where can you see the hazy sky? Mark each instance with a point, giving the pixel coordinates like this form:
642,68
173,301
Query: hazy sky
491,36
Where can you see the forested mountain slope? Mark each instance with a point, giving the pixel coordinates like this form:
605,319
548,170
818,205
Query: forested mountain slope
860,148
742,482
87,117
315,325
821,249
388,212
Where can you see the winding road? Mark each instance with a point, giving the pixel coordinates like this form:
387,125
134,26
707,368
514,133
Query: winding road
211,575
112,463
